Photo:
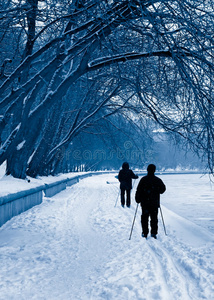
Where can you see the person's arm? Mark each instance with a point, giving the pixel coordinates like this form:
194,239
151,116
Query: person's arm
119,176
138,192
162,187
134,176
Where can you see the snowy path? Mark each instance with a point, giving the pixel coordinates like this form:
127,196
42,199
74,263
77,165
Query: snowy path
76,246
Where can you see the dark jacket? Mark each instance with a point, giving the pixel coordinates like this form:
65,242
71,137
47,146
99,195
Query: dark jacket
148,191
125,177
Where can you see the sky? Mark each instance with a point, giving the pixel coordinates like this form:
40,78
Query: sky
76,245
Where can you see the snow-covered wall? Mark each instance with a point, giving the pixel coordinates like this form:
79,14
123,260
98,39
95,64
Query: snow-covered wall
56,187
13,204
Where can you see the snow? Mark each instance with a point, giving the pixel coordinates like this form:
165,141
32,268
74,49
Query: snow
76,245
20,146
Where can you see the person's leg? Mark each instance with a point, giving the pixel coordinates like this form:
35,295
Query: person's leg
128,198
122,193
144,222
154,222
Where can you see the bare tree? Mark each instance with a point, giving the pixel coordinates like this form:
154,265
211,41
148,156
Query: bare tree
161,51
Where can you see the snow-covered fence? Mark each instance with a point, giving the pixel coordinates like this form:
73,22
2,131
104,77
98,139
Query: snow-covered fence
13,204
72,181
56,187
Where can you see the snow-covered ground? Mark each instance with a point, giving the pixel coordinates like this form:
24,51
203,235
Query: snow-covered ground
76,245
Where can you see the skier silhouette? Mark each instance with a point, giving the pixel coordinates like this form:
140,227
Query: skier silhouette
125,177
148,195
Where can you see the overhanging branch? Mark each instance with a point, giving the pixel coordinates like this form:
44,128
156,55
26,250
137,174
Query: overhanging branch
99,63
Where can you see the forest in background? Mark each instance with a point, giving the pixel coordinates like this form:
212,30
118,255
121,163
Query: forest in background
86,83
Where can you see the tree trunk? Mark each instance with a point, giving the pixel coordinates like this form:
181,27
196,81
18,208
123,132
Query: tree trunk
38,162
17,163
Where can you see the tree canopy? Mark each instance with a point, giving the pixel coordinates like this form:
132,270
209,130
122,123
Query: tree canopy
68,66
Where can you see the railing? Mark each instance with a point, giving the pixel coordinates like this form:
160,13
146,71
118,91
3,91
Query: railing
14,204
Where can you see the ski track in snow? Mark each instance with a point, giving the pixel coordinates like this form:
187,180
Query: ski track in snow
76,245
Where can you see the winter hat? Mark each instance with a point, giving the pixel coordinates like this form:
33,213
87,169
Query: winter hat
125,166
151,168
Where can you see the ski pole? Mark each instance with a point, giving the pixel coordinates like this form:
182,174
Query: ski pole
117,198
163,221
133,222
